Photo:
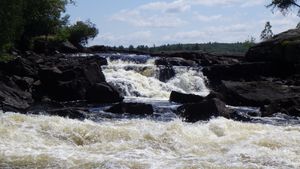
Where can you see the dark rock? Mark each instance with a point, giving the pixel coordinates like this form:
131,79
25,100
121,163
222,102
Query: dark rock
185,98
25,83
282,48
67,47
20,67
289,106
72,79
256,93
166,73
132,108
174,61
204,110
73,113
103,93
14,99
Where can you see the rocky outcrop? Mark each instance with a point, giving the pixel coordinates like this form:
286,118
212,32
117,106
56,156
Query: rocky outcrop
203,110
131,108
12,98
103,93
257,93
282,48
27,80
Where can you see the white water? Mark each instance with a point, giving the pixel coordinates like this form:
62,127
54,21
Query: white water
140,80
28,141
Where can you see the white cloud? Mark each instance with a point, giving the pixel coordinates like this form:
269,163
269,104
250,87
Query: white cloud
136,38
205,18
135,18
173,7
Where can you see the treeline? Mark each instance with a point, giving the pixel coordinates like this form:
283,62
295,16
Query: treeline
22,22
211,47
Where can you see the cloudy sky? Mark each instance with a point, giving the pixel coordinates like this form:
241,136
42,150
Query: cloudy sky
148,22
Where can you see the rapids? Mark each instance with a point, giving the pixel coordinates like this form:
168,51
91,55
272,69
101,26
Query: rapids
109,141
29,141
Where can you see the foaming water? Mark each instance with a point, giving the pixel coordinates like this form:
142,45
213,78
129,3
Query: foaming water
28,141
137,76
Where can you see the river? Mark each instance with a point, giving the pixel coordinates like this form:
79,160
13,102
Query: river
152,142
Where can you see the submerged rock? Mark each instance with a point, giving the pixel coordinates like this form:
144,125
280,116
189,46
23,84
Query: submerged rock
132,108
204,110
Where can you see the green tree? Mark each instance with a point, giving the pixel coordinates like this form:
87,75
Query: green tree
11,22
81,32
21,20
284,5
267,33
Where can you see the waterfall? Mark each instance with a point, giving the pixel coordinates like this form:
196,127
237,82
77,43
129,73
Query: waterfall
138,76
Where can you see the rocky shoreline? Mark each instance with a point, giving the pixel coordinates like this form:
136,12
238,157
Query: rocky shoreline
268,77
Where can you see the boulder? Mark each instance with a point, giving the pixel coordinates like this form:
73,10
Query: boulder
132,108
282,48
256,93
13,98
166,73
289,106
103,93
20,67
185,98
204,110
73,79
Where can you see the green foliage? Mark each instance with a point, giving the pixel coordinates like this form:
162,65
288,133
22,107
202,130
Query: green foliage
79,33
21,20
4,57
11,21
267,33
284,5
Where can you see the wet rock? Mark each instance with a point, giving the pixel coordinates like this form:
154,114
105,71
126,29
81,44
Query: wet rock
166,73
103,93
174,61
132,108
73,113
204,110
289,106
185,98
257,93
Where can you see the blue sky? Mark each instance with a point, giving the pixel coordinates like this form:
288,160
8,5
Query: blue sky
149,22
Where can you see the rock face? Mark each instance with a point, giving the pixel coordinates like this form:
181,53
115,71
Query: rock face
31,78
257,93
103,93
289,106
73,79
282,48
185,98
204,110
12,98
132,108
